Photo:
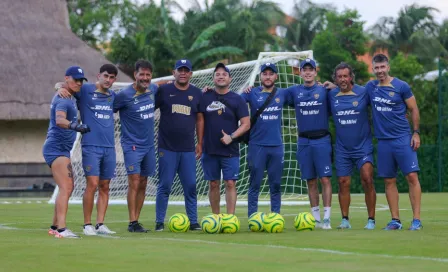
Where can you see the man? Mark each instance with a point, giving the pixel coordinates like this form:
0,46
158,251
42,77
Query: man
349,106
136,106
314,149
265,151
56,150
391,98
95,103
179,116
222,110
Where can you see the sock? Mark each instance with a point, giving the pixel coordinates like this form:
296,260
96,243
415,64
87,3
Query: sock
87,225
53,227
133,222
371,218
396,220
61,230
315,211
345,217
327,212
98,225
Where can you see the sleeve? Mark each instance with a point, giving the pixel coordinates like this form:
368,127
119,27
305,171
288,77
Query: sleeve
84,89
242,110
202,103
63,104
245,97
329,101
154,88
119,101
406,92
159,97
289,96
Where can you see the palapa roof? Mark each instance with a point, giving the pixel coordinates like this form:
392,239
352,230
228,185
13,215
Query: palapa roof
36,47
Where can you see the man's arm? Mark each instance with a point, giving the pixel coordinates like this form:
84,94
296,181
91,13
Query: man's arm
243,128
411,104
199,134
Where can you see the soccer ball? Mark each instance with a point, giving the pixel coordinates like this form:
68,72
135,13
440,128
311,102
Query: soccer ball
179,222
273,222
229,223
304,221
256,222
211,224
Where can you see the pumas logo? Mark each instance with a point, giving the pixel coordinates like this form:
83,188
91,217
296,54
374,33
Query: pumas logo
300,95
80,70
391,94
183,61
88,168
216,106
161,154
355,103
277,100
190,97
316,96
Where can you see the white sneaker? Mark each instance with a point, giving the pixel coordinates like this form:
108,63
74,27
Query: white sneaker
318,225
66,234
103,229
326,225
89,230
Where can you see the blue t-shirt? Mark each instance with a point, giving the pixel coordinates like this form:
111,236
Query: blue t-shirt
218,117
311,107
136,116
389,108
62,136
268,128
96,110
351,118
178,115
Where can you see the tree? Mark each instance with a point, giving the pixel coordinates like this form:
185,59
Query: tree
342,41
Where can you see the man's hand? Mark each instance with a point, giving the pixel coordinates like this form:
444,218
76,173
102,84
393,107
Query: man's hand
64,93
83,128
329,85
248,89
415,141
226,138
198,151
207,89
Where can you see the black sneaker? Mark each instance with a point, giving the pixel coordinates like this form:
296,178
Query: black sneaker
136,227
160,226
195,227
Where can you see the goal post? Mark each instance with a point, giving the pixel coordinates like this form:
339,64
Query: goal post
293,188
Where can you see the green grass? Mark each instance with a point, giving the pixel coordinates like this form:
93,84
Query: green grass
27,247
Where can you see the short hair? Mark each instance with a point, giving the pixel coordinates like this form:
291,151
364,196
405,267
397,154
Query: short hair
143,64
341,66
109,68
380,58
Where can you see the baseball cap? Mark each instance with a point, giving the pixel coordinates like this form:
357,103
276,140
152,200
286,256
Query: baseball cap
308,62
183,63
221,65
75,72
269,65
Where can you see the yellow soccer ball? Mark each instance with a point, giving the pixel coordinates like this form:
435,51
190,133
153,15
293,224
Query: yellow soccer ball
273,223
229,223
304,221
211,224
179,222
256,222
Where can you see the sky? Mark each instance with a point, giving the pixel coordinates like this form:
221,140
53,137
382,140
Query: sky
370,10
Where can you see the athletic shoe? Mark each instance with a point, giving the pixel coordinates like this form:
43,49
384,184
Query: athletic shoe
318,225
326,225
66,234
370,224
344,224
416,224
393,225
137,227
194,227
89,230
103,229
52,232
160,227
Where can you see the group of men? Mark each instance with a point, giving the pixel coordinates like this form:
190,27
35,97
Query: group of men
218,118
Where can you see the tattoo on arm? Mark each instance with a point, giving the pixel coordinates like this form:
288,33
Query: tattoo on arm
70,170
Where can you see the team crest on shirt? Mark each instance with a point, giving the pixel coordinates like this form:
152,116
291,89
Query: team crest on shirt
219,112
131,168
391,94
88,168
316,96
109,99
151,96
277,100
161,154
355,103
190,97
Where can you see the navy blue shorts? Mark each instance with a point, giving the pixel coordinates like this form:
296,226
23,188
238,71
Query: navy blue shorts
212,166
53,150
314,158
344,163
140,160
394,154
99,161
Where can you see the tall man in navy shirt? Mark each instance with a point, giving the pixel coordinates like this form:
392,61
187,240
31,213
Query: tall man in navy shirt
136,106
265,150
179,116
391,98
222,111
314,144
350,109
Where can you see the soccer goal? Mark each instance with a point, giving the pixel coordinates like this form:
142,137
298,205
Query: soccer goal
294,189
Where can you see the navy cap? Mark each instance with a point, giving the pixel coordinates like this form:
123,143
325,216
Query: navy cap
221,65
183,63
308,62
75,72
269,65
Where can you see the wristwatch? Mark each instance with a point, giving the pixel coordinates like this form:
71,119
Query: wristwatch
417,131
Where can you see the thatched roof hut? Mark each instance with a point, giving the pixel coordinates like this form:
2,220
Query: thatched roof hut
37,46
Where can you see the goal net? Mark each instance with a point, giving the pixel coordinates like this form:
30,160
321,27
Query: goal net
294,190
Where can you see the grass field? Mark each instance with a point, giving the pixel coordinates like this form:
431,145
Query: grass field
25,245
